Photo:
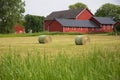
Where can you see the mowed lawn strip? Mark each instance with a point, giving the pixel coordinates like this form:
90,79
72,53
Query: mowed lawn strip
59,43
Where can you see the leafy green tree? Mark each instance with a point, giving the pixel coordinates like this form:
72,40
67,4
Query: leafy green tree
10,14
34,23
118,28
78,5
109,10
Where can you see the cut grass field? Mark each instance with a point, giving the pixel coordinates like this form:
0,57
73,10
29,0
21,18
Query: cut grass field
65,43
23,58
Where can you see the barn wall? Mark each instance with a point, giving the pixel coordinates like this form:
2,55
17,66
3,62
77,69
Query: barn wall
55,27
84,15
103,27
81,29
19,29
106,28
46,24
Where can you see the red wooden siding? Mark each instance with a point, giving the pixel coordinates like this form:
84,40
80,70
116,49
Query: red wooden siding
106,28
80,29
84,15
55,27
47,24
103,27
19,29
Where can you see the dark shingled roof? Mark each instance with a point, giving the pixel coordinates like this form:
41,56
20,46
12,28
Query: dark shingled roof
105,20
76,23
64,14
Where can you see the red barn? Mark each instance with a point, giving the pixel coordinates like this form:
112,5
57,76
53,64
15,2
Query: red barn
106,24
19,29
78,20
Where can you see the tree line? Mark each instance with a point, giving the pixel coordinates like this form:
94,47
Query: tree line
11,13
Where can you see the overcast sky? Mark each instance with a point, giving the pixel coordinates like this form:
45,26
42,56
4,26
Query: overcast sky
45,7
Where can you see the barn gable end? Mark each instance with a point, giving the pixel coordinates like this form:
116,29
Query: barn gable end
84,15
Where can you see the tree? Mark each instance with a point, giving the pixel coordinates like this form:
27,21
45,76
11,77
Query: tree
77,5
118,28
10,14
34,23
109,10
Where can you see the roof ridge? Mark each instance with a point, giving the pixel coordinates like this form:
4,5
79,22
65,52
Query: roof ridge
71,13
70,19
69,10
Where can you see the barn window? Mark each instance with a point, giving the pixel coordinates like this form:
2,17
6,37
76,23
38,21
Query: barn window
112,27
92,29
81,28
104,25
86,29
109,28
104,28
74,28
67,28
97,29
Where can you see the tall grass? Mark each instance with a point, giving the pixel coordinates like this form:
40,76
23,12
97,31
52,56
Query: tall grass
97,65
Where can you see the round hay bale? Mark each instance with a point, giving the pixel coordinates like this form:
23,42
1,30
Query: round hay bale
44,39
81,39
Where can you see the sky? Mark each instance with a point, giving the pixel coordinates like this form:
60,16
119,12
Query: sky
45,7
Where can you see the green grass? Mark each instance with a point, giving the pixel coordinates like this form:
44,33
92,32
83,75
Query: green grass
114,33
23,58
50,33
37,34
97,65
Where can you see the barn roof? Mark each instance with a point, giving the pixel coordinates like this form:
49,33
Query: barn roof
117,23
76,23
105,20
68,14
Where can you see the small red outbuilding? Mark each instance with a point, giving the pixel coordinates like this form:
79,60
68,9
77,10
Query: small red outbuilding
19,29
